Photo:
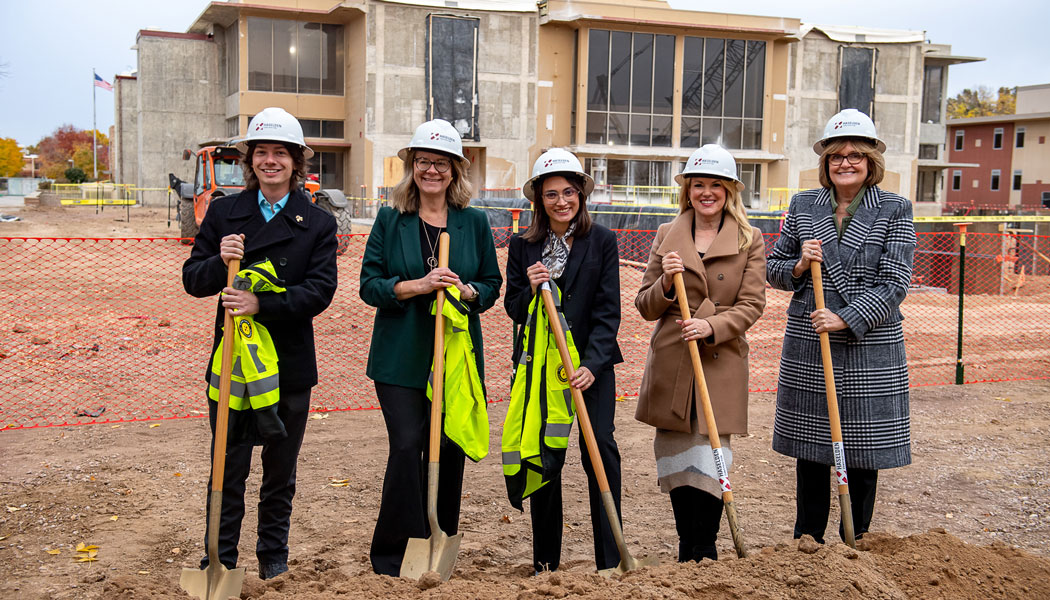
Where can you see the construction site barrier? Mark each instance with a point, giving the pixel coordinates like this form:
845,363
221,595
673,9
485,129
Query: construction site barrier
100,330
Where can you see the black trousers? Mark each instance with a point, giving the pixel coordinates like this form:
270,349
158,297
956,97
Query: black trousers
813,498
275,495
545,505
403,507
697,517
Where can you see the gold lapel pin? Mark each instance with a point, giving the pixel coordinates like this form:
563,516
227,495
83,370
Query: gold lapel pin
299,218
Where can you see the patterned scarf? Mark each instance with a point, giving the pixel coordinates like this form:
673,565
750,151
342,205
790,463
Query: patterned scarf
556,251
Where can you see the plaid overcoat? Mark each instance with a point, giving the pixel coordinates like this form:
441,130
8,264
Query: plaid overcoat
866,276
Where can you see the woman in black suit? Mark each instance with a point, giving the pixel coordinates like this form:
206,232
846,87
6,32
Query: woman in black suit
400,276
563,244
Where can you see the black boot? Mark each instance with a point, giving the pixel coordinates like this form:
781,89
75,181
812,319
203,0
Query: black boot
697,517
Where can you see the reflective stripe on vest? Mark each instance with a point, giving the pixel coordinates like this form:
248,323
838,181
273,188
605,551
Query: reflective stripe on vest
540,414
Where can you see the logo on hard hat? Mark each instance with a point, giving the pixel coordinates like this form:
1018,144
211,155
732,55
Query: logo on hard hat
260,126
699,162
841,124
555,161
437,135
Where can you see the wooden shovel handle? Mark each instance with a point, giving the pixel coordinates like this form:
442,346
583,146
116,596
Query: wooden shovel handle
222,414
825,355
438,385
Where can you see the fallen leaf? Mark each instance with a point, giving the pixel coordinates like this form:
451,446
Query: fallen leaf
92,477
339,483
143,572
3,537
763,461
13,509
949,516
53,552
93,553
621,398
81,547
178,474
87,559
505,519
152,425
176,550
114,426
334,480
319,416
113,518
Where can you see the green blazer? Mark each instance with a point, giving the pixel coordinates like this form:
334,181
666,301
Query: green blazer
402,347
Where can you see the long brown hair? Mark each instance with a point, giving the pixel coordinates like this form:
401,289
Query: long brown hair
734,206
405,197
537,230
251,182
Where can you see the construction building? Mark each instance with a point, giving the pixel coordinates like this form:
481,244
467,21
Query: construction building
631,86
1005,159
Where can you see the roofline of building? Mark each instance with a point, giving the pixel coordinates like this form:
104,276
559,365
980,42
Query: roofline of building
171,34
1000,118
1037,86
951,59
660,14
225,13
126,77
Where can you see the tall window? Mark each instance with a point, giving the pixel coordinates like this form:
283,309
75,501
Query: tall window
1019,138
857,79
630,88
959,137
722,92
997,138
928,151
956,180
1017,181
995,180
932,82
321,128
295,57
328,166
451,55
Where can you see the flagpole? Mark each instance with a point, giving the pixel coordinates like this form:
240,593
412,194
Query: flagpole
94,125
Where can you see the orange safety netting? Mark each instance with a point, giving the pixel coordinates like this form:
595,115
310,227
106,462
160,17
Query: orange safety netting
100,330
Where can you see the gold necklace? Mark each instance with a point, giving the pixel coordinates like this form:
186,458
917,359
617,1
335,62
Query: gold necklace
432,261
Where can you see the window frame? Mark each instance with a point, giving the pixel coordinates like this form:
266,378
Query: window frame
1016,184
997,138
993,183
956,180
334,86
1019,137
960,139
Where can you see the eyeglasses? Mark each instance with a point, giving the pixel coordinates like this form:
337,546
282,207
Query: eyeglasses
424,164
852,158
552,196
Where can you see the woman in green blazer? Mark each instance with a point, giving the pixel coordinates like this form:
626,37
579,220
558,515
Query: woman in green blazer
399,276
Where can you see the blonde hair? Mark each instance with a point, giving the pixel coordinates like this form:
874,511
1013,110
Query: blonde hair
405,197
734,206
876,163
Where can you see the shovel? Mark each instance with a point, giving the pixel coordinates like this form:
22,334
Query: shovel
438,552
627,562
837,446
216,582
712,427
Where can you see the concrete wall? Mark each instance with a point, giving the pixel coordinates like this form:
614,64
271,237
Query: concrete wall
1033,98
813,99
176,102
124,143
395,96
1034,163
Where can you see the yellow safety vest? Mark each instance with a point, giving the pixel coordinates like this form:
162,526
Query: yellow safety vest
466,415
255,382
540,415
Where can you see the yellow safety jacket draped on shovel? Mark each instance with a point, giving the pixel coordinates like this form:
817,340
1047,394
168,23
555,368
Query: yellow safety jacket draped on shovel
255,384
466,420
540,414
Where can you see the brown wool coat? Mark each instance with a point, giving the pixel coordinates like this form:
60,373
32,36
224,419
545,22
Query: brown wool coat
728,288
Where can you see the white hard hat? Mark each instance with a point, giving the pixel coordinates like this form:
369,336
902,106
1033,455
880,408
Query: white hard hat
274,125
849,123
553,161
438,135
710,160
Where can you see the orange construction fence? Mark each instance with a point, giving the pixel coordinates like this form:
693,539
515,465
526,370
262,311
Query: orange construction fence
100,330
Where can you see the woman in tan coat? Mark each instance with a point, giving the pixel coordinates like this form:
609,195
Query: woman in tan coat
722,260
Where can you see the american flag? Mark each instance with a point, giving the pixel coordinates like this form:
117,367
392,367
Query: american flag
102,83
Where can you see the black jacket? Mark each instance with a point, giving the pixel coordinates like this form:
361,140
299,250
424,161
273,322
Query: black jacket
590,296
300,242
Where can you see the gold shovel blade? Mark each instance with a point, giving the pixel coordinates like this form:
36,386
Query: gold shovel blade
630,565
213,583
436,553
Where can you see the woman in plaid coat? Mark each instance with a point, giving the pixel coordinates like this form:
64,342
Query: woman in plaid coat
864,239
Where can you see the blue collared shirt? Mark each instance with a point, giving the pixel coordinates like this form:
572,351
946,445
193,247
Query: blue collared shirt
269,211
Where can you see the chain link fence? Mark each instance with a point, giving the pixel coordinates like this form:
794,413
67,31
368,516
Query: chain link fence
100,330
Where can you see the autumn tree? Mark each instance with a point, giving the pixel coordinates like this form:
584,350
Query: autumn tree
68,142
979,102
11,158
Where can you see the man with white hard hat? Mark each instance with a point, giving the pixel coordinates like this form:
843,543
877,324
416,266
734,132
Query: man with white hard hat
273,218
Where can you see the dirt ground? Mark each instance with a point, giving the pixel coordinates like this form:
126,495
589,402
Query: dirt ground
970,518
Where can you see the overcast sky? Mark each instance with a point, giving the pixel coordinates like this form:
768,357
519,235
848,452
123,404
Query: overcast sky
50,46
